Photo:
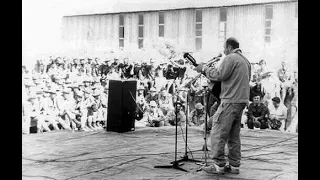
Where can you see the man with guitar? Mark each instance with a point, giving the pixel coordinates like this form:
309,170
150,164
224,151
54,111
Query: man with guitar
234,73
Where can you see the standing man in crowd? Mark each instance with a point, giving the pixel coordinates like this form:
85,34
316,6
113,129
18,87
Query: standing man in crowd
104,68
127,68
32,112
116,64
234,72
154,116
286,78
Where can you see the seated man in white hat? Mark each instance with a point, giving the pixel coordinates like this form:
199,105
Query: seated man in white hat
96,108
89,102
70,109
198,115
170,117
165,101
31,110
154,116
51,111
63,106
104,105
48,109
81,111
152,96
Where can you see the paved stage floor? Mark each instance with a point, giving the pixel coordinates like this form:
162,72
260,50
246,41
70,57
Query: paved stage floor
64,155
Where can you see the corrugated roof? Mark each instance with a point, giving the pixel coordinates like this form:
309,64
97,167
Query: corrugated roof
123,6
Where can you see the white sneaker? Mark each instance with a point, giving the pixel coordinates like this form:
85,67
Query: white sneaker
214,169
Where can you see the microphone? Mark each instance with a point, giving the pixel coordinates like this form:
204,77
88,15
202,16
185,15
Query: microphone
214,60
190,59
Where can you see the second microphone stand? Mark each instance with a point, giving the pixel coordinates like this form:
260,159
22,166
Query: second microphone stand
185,157
175,163
205,149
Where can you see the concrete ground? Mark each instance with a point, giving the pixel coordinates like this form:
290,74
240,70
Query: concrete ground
64,155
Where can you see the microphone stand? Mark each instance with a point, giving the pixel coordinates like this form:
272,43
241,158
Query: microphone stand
185,157
205,149
175,163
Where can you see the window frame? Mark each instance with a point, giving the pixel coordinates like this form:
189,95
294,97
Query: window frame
121,39
226,11
140,45
267,37
161,24
224,23
268,6
198,37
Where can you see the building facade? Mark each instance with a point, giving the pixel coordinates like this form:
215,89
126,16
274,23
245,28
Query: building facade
265,31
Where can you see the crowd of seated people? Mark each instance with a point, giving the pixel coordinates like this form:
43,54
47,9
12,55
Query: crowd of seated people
72,94
273,99
63,93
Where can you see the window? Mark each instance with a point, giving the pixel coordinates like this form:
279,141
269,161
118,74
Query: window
223,14
269,11
121,31
161,24
140,31
268,22
198,30
223,25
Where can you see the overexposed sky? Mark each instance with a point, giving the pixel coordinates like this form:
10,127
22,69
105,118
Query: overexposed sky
41,21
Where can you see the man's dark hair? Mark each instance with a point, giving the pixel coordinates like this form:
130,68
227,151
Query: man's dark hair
256,94
233,42
276,99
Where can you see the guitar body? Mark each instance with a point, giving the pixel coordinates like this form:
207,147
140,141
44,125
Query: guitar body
216,89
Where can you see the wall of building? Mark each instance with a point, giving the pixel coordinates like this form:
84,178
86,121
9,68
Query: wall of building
246,23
